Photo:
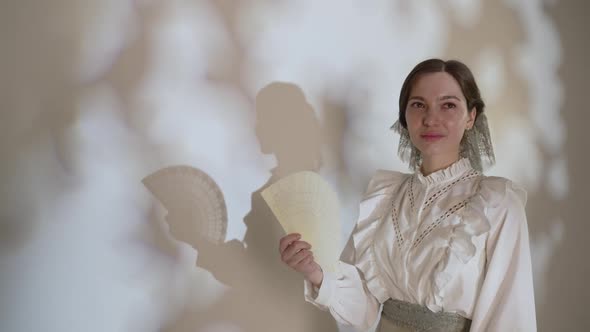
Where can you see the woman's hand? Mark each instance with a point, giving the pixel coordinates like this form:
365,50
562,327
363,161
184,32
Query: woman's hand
298,256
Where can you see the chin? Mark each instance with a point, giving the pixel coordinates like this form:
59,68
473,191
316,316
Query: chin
431,152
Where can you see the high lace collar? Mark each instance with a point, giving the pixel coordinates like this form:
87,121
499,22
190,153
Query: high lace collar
451,172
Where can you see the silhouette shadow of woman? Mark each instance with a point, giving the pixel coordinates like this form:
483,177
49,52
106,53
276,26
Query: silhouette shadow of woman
263,294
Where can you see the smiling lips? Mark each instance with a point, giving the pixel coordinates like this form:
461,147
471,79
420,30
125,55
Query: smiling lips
430,137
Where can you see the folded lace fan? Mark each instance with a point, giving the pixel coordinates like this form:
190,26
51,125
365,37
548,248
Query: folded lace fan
192,196
305,203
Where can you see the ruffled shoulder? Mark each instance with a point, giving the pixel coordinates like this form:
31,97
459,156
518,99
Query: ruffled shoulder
382,184
383,179
500,197
492,193
494,190
373,207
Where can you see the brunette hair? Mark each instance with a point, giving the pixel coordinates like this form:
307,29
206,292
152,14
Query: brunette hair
460,73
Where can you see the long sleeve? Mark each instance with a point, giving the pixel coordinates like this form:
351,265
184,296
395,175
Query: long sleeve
506,299
354,293
347,298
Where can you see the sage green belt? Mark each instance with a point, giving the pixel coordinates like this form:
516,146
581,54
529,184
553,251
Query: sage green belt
414,317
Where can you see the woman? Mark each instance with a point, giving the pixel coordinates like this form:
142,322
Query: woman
443,249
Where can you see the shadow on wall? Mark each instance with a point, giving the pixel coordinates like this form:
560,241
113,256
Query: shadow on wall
263,294
49,74
38,103
59,171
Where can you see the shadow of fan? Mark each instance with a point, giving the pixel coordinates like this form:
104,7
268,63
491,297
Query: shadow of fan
195,204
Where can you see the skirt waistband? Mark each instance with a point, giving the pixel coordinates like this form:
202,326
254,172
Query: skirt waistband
419,318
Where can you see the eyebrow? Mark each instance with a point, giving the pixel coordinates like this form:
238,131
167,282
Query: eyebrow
441,98
449,97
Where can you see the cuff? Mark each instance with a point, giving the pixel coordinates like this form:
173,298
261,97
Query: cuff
320,297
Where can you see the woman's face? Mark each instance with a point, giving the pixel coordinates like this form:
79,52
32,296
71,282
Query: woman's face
437,116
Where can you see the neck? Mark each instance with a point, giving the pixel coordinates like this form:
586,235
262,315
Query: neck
433,164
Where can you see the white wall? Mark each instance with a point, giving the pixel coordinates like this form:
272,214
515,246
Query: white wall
96,95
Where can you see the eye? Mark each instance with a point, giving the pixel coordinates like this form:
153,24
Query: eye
449,105
417,104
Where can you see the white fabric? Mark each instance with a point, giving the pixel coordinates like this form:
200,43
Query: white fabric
453,241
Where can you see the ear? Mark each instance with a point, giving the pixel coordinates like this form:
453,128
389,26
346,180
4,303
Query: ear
471,118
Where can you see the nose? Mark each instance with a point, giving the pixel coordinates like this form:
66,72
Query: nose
430,118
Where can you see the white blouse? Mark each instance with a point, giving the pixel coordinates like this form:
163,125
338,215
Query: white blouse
453,241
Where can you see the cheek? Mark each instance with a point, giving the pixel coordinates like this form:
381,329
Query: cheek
455,128
413,124
413,120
